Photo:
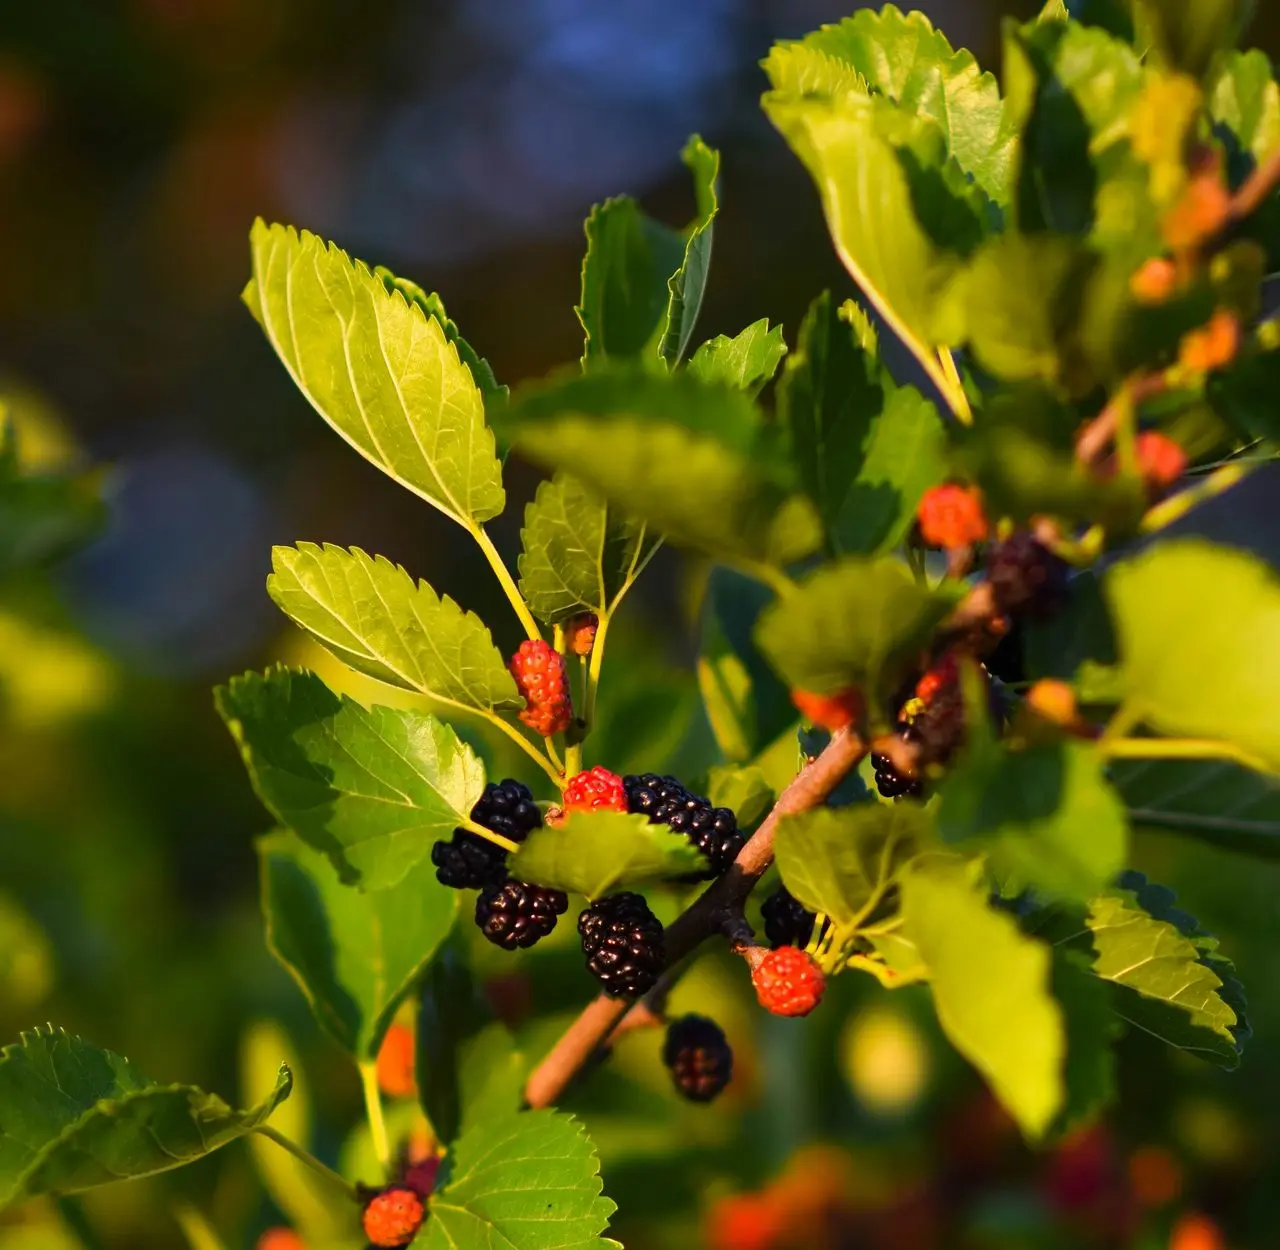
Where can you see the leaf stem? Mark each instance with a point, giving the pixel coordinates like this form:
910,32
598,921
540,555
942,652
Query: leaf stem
506,581
1182,749
489,836
954,391
373,1110
1169,510
593,672
524,744
307,1158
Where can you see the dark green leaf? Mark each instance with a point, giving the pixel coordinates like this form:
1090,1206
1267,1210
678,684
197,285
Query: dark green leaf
354,953
745,791
521,1182
690,457
1196,625
1244,396
688,284
378,368
854,622
1092,1028
73,1117
372,616
371,788
991,986
1046,816
746,361
591,853
579,554
841,860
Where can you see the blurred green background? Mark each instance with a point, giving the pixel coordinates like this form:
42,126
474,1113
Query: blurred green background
461,144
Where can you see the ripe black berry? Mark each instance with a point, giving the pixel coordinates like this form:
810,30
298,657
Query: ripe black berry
516,914
622,940
1026,577
469,862
891,783
786,921
713,830
699,1057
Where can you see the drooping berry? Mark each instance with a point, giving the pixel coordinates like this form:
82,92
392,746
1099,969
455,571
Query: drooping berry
1160,460
622,940
829,711
786,920
952,516
468,861
1213,346
788,982
1027,578
393,1216
580,633
699,1057
597,790
516,914
540,676
713,830
1053,701
396,1062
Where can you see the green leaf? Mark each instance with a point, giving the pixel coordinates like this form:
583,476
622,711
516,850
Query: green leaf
628,263
591,853
866,187
378,369
355,954
689,282
529,1181
1196,625
1191,32
687,456
1244,396
840,860
905,58
1215,802
371,788
746,361
1163,985
854,622
991,987
579,553
73,1117
745,791
1092,1028
1046,816
372,616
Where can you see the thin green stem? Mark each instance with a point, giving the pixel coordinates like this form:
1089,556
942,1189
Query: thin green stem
489,836
954,389
1176,506
1126,717
554,755
775,579
307,1158
507,582
573,759
373,1110
593,672
1181,749
523,743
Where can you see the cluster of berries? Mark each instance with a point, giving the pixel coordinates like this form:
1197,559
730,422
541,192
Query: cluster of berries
621,937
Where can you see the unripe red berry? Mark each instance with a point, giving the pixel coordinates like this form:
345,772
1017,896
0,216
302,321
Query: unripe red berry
580,633
280,1239
1053,700
395,1062
951,516
1213,346
745,1222
788,982
540,677
597,790
829,711
1160,460
944,673
1155,281
1200,212
393,1216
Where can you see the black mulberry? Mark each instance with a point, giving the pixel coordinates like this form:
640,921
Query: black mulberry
622,940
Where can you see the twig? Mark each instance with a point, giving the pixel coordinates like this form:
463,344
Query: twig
708,914
1255,188
1097,435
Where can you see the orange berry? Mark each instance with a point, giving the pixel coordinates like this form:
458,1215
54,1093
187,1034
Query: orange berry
580,633
395,1063
945,672
1155,1176
951,516
393,1216
1213,345
788,982
597,790
1053,700
1198,214
540,677
829,711
1160,460
745,1222
280,1239
1154,281
1194,1231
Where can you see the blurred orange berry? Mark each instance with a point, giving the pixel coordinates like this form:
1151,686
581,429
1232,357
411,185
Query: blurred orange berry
1154,281
951,516
1198,214
1155,1176
829,711
395,1063
580,633
1054,700
1213,345
280,1239
1194,1231
1160,460
744,1222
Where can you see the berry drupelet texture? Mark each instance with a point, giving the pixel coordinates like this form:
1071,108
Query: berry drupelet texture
516,914
540,676
786,920
597,790
580,633
1026,578
788,982
665,801
469,862
393,1216
698,1056
622,940
889,781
